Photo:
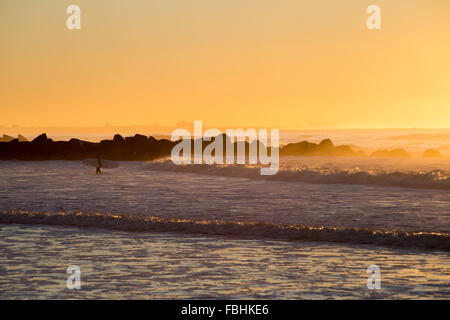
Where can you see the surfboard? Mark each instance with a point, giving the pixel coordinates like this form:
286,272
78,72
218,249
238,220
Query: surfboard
106,164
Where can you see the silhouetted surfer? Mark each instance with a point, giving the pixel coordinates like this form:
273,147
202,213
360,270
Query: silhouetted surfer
99,164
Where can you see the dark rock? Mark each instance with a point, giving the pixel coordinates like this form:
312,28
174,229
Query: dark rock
41,139
118,139
347,151
75,141
431,153
139,138
326,144
396,153
303,148
6,138
139,147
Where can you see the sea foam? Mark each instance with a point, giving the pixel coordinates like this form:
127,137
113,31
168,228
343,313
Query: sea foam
422,240
426,179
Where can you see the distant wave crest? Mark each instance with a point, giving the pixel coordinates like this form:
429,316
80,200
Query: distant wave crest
434,179
423,240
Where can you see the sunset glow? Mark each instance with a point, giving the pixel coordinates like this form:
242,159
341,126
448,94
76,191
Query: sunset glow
296,64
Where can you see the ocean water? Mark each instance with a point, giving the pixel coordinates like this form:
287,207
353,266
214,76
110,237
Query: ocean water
157,230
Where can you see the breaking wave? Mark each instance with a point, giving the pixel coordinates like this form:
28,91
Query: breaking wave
434,179
423,240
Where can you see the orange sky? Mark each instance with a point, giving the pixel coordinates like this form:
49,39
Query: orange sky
286,64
